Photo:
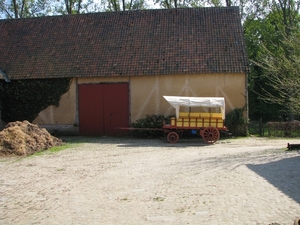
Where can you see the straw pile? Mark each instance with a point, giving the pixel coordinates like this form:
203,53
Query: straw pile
24,138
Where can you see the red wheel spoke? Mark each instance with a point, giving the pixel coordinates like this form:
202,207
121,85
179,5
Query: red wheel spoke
172,137
211,135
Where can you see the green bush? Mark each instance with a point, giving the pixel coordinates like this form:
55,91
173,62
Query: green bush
236,123
151,121
283,129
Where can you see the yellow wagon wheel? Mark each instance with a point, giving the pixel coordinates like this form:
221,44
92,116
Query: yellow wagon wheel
172,137
210,135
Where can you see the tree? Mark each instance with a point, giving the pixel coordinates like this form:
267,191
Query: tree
167,4
289,9
259,31
170,4
117,5
267,32
63,7
24,8
281,73
35,8
73,6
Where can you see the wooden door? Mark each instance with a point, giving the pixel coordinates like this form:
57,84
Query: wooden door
103,108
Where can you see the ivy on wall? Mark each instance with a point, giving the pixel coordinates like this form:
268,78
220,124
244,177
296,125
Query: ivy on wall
25,99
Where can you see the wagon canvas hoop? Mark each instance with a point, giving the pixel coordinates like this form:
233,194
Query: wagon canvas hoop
177,101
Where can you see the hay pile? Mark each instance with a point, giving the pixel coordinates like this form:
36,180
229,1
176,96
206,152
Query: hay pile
24,138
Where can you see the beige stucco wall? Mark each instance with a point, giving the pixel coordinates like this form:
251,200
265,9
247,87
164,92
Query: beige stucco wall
146,94
65,113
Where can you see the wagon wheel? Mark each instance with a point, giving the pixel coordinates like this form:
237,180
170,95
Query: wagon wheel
210,135
172,137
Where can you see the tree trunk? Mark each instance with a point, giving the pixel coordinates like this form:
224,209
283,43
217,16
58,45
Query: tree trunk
124,6
15,9
228,3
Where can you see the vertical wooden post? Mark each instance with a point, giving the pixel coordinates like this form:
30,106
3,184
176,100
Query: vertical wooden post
260,127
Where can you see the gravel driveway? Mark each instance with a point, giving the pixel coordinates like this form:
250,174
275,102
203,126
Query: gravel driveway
137,181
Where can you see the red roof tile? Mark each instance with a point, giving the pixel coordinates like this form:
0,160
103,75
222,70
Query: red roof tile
131,43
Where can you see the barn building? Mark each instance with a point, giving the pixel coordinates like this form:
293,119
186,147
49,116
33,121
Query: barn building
121,64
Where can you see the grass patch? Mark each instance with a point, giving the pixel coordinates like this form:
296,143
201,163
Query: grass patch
56,149
62,147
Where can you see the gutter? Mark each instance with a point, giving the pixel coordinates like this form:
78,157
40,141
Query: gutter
4,75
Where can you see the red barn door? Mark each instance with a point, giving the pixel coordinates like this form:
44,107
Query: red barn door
103,108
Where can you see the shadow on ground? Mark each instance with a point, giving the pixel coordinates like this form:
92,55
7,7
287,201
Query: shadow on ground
283,174
139,142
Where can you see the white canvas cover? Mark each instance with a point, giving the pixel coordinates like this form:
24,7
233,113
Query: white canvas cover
177,101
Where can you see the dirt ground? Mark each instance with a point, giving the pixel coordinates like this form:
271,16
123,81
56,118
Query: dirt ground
149,181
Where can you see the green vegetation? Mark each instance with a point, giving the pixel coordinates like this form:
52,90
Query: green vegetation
57,149
19,99
151,121
283,129
236,123
272,40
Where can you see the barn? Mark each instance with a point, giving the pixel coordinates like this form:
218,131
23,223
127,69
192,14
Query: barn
121,64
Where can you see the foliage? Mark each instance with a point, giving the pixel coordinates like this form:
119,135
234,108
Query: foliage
24,99
151,121
169,4
264,35
236,123
37,8
76,7
282,81
24,8
117,5
283,129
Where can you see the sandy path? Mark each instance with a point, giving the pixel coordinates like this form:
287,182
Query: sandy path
134,181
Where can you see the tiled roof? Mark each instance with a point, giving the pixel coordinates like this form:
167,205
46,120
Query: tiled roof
131,43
